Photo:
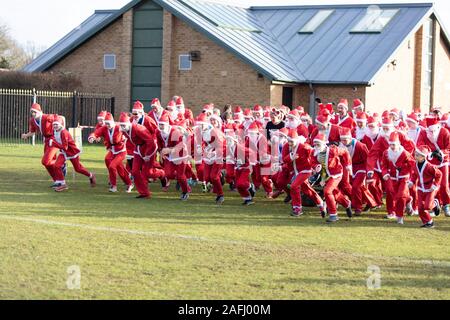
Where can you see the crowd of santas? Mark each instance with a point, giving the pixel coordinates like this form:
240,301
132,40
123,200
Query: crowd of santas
348,158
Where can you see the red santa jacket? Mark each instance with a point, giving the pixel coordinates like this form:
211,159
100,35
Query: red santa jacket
441,144
346,122
333,165
381,145
299,157
398,165
148,123
155,117
65,143
242,156
44,125
143,141
214,146
261,150
369,142
175,141
426,177
358,152
97,127
302,130
113,139
332,135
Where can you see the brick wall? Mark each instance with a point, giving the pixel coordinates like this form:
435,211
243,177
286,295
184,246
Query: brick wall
220,77
418,68
87,62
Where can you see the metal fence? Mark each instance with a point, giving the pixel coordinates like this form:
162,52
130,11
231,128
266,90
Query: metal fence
79,109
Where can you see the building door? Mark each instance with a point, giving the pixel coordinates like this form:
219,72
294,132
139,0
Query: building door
147,53
288,96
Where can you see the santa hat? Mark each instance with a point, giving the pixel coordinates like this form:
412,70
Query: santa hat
109,118
217,118
237,110
253,127
267,115
156,103
257,108
394,138
164,120
372,121
292,135
300,109
294,114
417,110
248,113
237,117
208,108
59,121
387,123
357,103
361,117
102,115
180,102
343,103
395,112
124,119
202,119
138,107
412,118
436,108
328,107
320,138
432,122
345,133
385,114
36,107
444,119
423,150
171,105
322,120
305,116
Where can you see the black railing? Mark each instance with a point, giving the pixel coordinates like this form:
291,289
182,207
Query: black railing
79,109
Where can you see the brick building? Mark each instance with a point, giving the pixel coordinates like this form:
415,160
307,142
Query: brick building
391,55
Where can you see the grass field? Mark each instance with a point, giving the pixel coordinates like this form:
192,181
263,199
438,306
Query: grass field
164,249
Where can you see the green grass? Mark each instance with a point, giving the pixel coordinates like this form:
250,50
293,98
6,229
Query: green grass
196,250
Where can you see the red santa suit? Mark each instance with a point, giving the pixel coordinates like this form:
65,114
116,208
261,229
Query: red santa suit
242,157
346,120
155,115
115,144
293,121
428,179
68,151
331,134
143,119
230,161
175,161
43,125
300,157
438,140
328,163
144,155
396,170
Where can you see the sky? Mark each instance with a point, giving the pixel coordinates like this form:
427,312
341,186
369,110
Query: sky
44,22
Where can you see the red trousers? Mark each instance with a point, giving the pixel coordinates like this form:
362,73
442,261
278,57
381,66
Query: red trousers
114,163
333,195
140,172
243,183
360,193
346,185
212,174
178,172
200,168
261,179
283,179
190,174
376,188
444,190
48,159
399,192
301,183
78,167
426,203
230,175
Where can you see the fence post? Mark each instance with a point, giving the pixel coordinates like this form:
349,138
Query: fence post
113,106
74,110
33,137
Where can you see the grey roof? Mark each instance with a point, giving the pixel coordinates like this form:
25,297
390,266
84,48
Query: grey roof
69,42
267,38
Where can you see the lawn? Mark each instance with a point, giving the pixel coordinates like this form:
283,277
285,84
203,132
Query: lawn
161,248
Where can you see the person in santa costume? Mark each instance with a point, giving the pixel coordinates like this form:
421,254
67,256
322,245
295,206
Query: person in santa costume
308,123
230,161
116,155
342,118
141,118
187,114
157,111
428,178
327,129
327,161
261,163
358,151
414,128
395,116
293,121
42,123
213,154
438,140
361,126
174,153
258,115
397,164
300,154
63,141
358,106
144,154
281,173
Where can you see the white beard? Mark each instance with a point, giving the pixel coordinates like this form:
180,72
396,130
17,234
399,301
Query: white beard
412,134
360,133
372,135
394,155
433,135
292,124
174,115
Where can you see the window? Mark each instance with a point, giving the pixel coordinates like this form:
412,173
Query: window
185,62
375,20
316,21
109,62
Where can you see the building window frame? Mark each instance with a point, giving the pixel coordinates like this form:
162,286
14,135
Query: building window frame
182,59
107,64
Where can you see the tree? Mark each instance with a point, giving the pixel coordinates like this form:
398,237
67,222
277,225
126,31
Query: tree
12,55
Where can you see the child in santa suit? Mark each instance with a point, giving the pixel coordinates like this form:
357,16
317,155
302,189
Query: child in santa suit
42,123
242,157
174,153
327,161
63,141
359,192
144,154
396,165
438,140
342,118
141,118
115,157
428,178
300,155
230,161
